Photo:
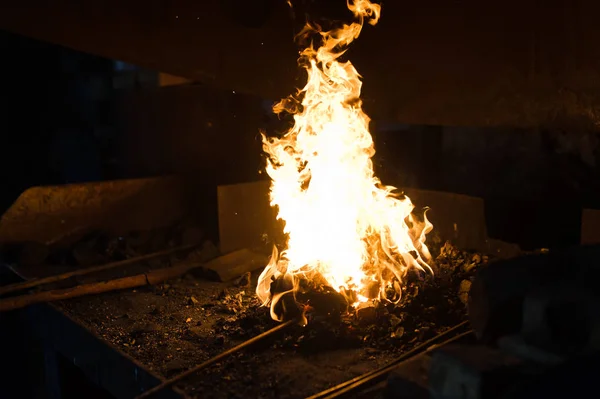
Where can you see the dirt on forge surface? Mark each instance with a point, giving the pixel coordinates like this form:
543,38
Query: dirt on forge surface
172,327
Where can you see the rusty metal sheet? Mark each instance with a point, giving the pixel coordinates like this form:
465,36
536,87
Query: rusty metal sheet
470,63
235,264
247,220
47,214
590,226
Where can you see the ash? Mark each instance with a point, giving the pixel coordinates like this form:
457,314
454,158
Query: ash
174,326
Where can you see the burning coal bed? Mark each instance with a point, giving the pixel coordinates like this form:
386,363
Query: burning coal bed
344,229
174,326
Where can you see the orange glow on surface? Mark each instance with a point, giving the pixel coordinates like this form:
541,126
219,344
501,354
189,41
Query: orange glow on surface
341,223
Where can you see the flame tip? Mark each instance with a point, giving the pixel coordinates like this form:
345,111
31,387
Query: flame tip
342,224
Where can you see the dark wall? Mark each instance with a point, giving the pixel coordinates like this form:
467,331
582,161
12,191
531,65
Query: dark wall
27,112
211,137
534,181
56,101
209,134
62,122
47,115
463,63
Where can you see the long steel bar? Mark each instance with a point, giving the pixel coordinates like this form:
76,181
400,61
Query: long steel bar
215,359
354,383
79,272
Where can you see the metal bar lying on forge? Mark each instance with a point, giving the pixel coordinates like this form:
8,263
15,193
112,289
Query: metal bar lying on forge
80,272
215,359
376,375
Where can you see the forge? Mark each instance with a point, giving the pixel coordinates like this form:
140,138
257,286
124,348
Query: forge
432,234
127,339
344,228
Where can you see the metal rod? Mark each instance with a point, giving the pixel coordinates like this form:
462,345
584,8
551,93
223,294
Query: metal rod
355,382
149,278
215,359
59,277
380,374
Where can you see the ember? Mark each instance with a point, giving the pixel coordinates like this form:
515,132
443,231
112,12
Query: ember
343,226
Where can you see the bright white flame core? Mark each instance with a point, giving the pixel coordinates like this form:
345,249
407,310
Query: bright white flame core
340,221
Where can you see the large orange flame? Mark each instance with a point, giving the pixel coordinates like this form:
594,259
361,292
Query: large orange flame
341,222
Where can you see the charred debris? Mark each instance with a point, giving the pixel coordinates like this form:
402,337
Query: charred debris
174,325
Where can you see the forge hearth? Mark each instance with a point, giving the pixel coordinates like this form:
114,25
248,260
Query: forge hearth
174,326
163,330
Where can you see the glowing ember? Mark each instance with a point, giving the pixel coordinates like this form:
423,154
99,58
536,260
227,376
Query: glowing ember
342,224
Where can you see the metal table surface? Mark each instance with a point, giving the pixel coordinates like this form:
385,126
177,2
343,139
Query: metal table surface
103,364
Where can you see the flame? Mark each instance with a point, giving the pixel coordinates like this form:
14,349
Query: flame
341,222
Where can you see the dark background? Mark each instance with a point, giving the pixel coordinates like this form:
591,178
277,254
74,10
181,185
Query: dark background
442,62
68,117
71,117
508,90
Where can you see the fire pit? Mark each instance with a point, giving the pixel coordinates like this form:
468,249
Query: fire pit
159,331
174,326
357,281
344,229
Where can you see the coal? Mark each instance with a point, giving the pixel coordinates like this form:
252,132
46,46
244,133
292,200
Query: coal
366,313
244,280
284,305
463,291
322,300
151,325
